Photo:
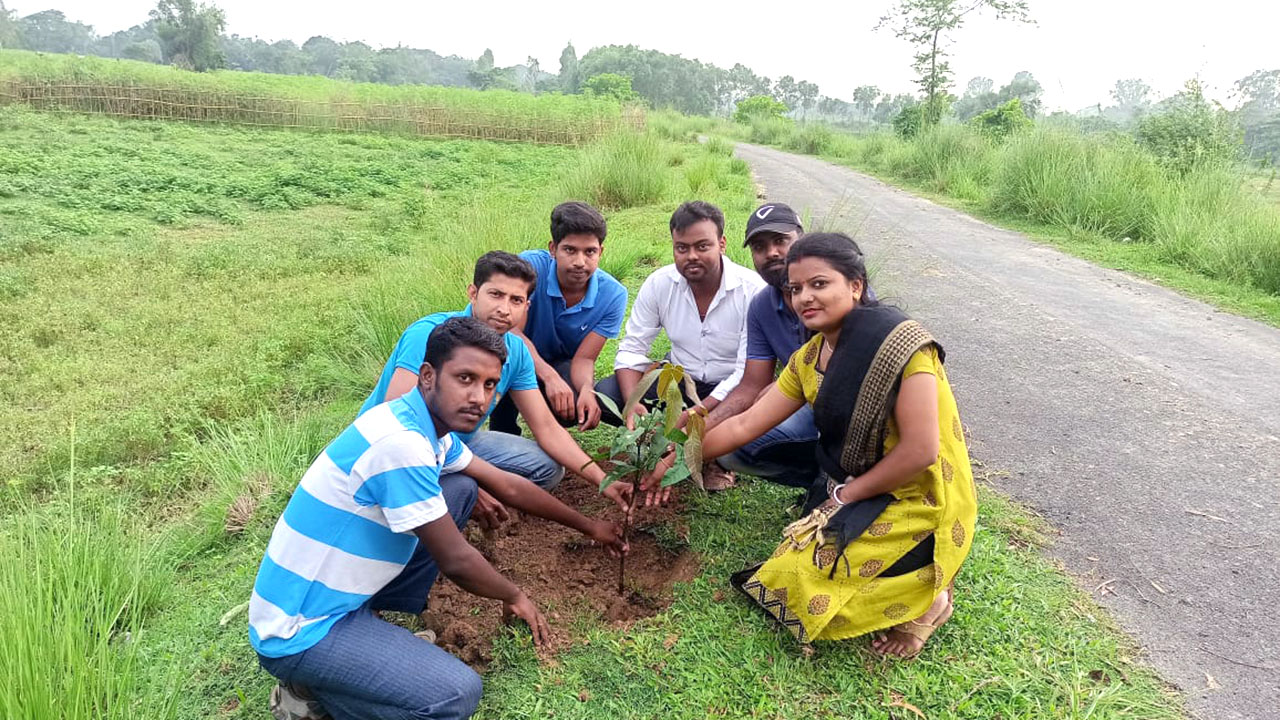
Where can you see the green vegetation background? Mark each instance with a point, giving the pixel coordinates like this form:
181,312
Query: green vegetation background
195,311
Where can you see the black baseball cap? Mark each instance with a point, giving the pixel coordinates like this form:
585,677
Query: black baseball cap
772,217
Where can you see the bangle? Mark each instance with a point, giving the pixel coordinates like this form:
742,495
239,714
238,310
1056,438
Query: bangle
835,494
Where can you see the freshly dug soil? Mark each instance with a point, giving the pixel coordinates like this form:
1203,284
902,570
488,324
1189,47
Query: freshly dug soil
570,579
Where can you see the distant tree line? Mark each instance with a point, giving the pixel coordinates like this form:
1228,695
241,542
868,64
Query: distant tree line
191,35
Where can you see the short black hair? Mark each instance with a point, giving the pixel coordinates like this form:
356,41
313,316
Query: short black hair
459,332
500,262
576,218
695,211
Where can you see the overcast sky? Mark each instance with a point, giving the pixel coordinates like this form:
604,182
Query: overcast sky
1077,48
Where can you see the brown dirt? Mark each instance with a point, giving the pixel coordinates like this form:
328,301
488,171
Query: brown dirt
571,580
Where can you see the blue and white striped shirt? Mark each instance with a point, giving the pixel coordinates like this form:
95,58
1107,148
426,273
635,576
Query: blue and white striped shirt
348,529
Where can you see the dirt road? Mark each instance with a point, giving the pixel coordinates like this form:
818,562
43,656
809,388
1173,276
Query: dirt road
1142,424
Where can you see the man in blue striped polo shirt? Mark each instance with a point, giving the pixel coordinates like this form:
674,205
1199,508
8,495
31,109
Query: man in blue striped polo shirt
354,522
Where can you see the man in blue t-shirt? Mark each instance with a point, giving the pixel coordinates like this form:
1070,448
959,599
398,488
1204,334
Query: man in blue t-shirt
373,521
575,308
499,294
785,454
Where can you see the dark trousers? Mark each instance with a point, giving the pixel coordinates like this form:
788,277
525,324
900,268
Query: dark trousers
408,591
503,417
609,386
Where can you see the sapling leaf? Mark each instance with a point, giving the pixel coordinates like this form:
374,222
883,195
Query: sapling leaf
676,435
671,373
646,381
691,389
674,405
696,427
608,403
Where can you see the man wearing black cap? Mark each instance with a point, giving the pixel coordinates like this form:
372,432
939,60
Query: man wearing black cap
786,453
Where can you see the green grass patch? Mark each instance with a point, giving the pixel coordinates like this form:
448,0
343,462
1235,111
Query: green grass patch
203,359
1024,643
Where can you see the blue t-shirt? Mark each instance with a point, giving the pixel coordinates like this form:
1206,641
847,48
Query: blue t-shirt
773,331
411,350
557,331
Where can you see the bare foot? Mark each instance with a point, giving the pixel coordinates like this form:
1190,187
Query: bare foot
903,641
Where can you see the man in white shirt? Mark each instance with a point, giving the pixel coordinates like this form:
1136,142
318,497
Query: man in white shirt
701,301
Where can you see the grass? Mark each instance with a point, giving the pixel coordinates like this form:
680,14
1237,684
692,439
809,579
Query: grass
76,585
72,83
1024,643
203,359
1214,232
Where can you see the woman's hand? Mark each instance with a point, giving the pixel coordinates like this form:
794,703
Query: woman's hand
651,486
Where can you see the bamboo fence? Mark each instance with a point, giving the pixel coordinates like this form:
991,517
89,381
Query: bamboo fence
404,118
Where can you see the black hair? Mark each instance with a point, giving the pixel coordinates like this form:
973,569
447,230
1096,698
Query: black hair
695,211
498,262
576,218
840,252
459,332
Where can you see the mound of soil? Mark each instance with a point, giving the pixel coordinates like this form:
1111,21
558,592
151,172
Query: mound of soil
570,579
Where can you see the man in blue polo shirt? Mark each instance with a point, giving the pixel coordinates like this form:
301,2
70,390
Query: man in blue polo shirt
575,308
785,454
499,294
384,492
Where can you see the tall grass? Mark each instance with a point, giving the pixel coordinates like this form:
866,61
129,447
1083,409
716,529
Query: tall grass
1211,221
75,585
624,170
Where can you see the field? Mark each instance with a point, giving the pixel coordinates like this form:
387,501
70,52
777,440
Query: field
1214,232
194,311
125,88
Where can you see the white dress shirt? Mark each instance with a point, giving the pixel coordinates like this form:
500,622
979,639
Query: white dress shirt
713,350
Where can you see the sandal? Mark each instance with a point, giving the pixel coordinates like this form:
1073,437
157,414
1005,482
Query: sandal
923,631
716,478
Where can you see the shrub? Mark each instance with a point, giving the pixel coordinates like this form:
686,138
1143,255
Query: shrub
909,121
811,140
1002,121
610,85
770,130
758,106
1191,131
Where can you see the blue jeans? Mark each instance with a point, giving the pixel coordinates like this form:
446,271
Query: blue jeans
368,669
517,455
784,455
409,590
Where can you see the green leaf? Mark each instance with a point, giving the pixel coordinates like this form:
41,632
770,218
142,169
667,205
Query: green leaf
674,406
646,381
671,374
677,473
608,403
696,427
691,389
677,436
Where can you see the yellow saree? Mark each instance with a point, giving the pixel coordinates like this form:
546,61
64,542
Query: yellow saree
862,593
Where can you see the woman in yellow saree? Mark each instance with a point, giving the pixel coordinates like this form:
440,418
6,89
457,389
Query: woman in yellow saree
891,519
